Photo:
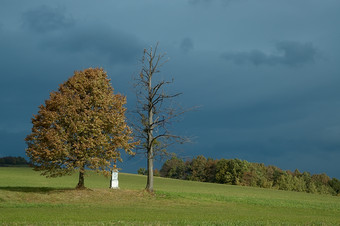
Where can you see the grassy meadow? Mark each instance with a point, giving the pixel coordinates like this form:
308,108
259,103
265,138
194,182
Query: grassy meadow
26,198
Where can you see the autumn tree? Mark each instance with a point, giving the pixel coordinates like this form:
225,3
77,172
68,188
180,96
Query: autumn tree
82,125
154,110
197,168
174,168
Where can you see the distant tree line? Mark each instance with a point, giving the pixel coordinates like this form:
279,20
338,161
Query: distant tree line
143,171
12,161
241,172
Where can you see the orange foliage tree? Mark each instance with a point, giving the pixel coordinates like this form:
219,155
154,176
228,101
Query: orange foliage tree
81,126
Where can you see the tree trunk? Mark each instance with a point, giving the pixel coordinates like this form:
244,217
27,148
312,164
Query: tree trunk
81,184
149,184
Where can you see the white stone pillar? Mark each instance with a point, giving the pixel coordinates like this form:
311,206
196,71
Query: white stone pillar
114,179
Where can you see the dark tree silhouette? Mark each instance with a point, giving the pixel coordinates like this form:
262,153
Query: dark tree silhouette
155,111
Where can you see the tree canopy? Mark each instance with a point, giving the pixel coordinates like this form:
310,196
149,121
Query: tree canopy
82,125
241,172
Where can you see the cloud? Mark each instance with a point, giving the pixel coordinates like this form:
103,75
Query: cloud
187,45
46,19
295,53
288,53
97,42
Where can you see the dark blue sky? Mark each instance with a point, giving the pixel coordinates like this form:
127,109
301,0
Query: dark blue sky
265,73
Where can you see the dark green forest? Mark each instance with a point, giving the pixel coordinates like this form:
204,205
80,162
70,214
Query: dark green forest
13,161
241,172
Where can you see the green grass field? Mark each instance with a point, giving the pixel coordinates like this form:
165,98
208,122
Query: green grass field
26,198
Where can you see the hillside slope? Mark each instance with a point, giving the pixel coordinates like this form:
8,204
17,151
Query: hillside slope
27,198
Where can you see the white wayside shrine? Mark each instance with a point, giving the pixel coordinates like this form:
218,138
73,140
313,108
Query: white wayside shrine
114,179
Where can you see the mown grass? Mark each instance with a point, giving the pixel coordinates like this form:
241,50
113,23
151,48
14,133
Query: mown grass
27,198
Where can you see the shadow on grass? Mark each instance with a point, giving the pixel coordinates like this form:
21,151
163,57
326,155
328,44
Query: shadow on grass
41,190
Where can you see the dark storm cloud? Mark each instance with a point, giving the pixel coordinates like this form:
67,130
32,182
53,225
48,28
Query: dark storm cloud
295,53
292,108
13,144
253,116
283,111
97,42
45,19
288,53
187,45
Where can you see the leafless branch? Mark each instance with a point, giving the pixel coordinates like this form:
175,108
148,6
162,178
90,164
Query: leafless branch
154,111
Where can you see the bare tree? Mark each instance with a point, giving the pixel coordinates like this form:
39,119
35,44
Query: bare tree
155,111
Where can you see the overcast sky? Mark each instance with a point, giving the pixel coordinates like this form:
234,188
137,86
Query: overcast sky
265,73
